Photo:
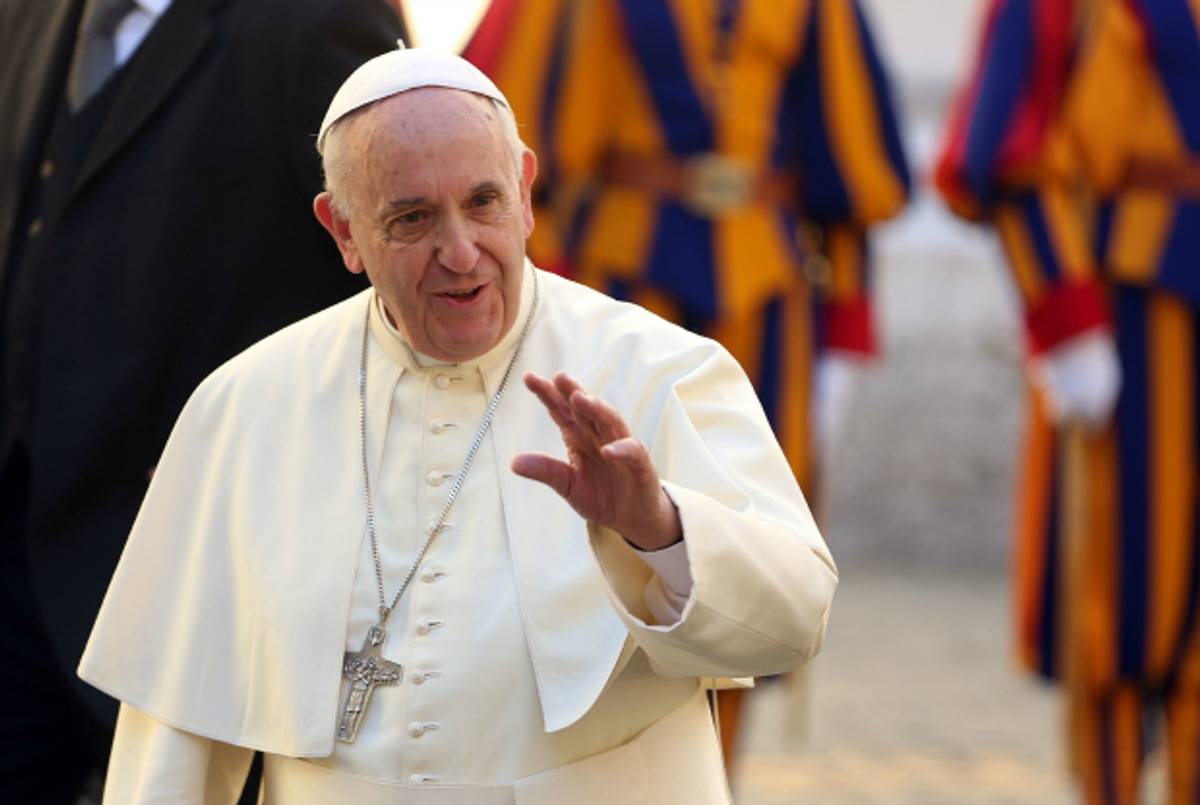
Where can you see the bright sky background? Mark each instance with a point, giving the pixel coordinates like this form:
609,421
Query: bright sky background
442,23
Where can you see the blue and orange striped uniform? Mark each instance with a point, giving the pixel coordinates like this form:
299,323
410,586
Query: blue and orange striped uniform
1097,216
791,91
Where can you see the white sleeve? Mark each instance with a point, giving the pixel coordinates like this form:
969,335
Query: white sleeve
155,764
762,579
668,592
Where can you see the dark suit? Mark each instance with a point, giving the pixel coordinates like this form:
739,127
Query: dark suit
142,243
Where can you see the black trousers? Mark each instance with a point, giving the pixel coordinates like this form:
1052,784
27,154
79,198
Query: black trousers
50,744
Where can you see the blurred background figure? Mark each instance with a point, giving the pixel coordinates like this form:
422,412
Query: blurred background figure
719,163
1078,137
157,171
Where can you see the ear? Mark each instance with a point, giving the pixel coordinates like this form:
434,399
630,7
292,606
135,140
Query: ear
528,174
339,228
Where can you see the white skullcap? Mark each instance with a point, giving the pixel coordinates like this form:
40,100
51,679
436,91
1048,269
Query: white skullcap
399,71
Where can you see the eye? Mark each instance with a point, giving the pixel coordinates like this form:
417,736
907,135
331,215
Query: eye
407,223
484,199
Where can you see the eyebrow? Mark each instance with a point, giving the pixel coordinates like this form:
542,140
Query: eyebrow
400,203
486,185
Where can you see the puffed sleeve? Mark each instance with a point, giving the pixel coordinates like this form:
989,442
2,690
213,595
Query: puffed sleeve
763,579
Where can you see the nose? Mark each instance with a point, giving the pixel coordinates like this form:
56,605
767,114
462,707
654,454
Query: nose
456,248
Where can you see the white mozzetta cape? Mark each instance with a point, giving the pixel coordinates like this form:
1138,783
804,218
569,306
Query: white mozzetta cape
227,614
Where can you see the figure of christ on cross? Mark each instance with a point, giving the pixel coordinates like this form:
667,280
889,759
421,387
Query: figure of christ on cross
366,669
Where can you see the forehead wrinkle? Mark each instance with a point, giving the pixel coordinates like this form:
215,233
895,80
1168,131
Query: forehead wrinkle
410,129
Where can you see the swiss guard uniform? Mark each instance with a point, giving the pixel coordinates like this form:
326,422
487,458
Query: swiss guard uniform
716,162
990,169
1045,128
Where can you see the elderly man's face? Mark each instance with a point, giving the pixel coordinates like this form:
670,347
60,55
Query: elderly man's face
438,218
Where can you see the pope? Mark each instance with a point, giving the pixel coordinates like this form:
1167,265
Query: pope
370,554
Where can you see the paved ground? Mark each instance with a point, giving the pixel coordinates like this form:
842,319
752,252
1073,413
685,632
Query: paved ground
914,701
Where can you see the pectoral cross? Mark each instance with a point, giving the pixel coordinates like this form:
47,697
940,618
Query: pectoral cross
366,670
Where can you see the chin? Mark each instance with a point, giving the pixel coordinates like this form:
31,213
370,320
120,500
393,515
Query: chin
465,349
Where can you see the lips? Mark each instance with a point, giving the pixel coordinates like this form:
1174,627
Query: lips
461,296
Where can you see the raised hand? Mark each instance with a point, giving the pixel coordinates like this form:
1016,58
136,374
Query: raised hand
608,477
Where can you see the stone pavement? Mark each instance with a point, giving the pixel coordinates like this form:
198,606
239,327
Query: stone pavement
914,700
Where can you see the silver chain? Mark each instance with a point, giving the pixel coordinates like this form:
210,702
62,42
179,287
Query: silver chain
385,609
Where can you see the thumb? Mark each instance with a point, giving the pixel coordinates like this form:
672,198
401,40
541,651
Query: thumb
544,469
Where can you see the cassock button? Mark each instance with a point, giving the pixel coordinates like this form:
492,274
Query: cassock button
416,779
419,728
434,478
442,382
47,169
417,677
35,228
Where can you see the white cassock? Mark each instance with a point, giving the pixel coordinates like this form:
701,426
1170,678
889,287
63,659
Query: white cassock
545,660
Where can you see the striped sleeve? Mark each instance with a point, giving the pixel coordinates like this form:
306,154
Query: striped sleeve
999,162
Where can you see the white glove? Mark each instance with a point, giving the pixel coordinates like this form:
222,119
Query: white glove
1081,377
834,381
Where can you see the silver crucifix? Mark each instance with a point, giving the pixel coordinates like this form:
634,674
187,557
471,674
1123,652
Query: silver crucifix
366,670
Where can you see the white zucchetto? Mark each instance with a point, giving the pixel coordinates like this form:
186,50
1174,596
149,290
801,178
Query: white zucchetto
399,71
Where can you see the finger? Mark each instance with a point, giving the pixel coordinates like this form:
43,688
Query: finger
588,438
556,404
630,453
545,469
602,425
544,389
633,459
587,424
567,385
603,417
608,420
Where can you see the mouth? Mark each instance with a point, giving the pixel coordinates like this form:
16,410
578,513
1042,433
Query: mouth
461,296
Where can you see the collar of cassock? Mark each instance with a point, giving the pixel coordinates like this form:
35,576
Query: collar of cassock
396,345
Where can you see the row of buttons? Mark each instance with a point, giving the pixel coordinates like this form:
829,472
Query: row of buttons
435,478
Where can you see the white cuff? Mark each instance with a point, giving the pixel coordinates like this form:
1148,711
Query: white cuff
1081,377
672,566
